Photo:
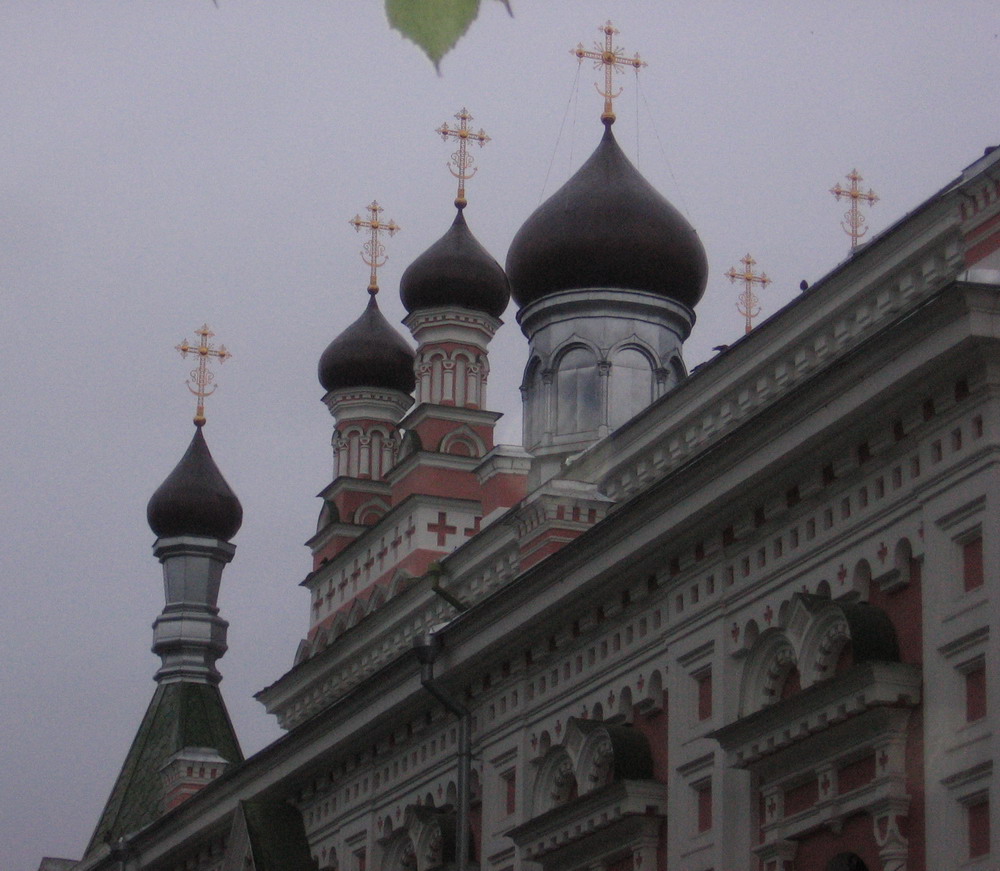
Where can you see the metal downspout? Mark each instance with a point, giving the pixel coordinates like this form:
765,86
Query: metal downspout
427,647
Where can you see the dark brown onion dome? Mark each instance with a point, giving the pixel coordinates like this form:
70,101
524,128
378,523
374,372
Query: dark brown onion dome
195,499
455,271
607,227
369,353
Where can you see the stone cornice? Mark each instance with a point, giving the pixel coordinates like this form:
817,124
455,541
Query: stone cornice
432,460
454,413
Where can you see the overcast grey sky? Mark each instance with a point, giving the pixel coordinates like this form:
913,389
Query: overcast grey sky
167,162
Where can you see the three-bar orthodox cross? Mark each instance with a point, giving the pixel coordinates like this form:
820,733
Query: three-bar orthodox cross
854,221
613,60
374,251
461,158
200,375
747,303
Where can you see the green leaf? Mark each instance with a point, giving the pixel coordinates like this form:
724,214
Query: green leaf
434,25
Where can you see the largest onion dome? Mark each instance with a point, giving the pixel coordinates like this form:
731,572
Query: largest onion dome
455,271
607,227
369,353
195,499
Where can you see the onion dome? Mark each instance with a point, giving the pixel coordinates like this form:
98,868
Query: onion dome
369,353
195,499
607,227
455,271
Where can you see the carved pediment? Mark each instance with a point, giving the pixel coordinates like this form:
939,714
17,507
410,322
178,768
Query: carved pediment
808,645
594,755
425,841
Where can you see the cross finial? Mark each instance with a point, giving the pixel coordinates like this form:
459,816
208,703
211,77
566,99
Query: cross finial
461,158
374,251
854,222
747,304
200,375
613,60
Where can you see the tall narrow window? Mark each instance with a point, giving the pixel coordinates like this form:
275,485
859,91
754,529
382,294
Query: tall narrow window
703,792
972,563
577,399
979,828
704,680
631,386
509,779
975,692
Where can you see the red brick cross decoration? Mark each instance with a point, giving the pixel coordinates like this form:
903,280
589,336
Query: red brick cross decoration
441,528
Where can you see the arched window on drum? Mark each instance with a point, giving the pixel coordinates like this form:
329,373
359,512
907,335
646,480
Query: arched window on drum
578,402
631,387
533,404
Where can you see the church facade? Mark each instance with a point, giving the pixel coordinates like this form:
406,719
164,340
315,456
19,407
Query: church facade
734,618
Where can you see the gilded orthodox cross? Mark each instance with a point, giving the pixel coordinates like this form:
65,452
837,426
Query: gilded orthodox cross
374,251
747,304
613,60
200,375
854,221
461,158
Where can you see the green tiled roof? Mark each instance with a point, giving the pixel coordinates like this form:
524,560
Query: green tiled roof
180,715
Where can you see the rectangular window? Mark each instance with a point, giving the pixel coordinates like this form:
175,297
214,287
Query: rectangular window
979,828
975,693
704,694
361,860
704,794
972,563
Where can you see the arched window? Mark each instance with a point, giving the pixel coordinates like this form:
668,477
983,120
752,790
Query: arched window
578,403
631,386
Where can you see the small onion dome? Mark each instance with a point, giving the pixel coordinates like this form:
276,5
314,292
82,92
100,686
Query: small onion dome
607,227
195,499
369,353
455,271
